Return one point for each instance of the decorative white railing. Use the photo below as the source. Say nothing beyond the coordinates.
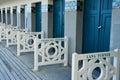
(26, 41)
(2, 25)
(50, 51)
(11, 36)
(86, 66)
(3, 32)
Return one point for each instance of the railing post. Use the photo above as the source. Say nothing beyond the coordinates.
(116, 64)
(7, 40)
(18, 44)
(0, 33)
(42, 35)
(66, 51)
(35, 55)
(74, 66)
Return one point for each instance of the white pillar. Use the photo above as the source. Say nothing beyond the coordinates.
(2, 15)
(28, 17)
(18, 17)
(70, 21)
(44, 17)
(11, 12)
(6, 16)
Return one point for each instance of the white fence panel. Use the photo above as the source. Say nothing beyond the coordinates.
(11, 36)
(85, 65)
(2, 24)
(3, 32)
(26, 41)
(50, 51)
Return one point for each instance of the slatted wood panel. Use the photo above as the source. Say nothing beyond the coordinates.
(11, 68)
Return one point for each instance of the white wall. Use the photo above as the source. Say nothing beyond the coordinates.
(115, 30)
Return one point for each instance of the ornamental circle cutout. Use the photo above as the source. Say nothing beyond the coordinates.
(92, 68)
(30, 42)
(49, 48)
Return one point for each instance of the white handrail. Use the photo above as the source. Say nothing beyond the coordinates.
(51, 50)
(26, 41)
(83, 66)
(11, 36)
(3, 31)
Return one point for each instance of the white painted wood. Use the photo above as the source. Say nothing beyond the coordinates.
(25, 41)
(51, 51)
(11, 36)
(11, 13)
(18, 17)
(6, 16)
(1, 15)
(28, 17)
(2, 32)
(94, 60)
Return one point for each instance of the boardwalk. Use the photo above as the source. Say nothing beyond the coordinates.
(11, 68)
(20, 68)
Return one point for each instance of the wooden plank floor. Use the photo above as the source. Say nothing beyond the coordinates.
(50, 72)
(11, 68)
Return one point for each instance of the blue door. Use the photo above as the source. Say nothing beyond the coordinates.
(97, 24)
(0, 16)
(58, 18)
(105, 23)
(4, 17)
(38, 17)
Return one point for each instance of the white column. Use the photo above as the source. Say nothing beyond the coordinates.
(6, 16)
(28, 17)
(11, 12)
(18, 17)
(44, 17)
(70, 21)
(2, 15)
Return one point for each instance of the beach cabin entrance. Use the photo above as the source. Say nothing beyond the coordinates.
(36, 17)
(58, 18)
(96, 26)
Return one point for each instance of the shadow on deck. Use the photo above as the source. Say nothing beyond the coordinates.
(26, 61)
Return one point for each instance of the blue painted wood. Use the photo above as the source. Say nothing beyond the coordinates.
(58, 18)
(0, 16)
(4, 17)
(105, 22)
(96, 13)
(91, 22)
(38, 17)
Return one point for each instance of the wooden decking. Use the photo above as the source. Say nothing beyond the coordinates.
(20, 68)
(11, 68)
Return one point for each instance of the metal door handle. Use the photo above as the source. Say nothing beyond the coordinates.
(99, 27)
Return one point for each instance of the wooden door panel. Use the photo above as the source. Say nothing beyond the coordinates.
(58, 18)
(38, 17)
(90, 26)
(105, 22)
(96, 13)
(90, 33)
